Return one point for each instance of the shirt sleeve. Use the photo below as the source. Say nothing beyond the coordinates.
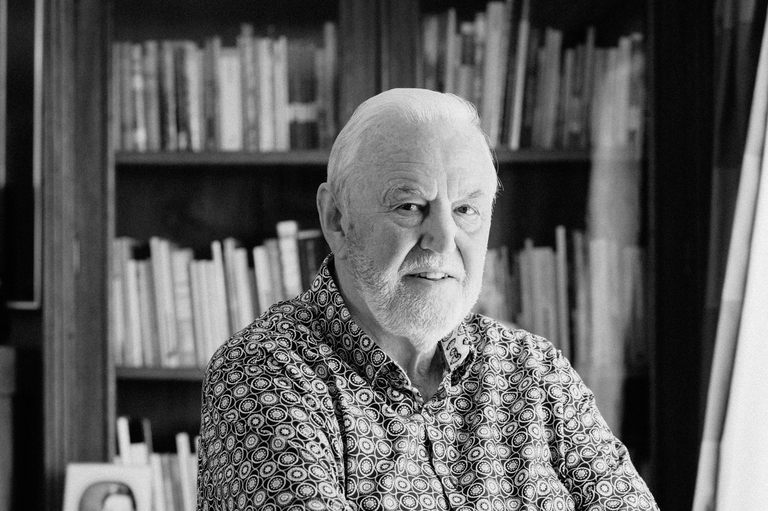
(266, 439)
(592, 463)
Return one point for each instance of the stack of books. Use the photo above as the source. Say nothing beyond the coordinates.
(264, 94)
(530, 91)
(174, 475)
(170, 309)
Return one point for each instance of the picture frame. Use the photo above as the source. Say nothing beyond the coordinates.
(107, 487)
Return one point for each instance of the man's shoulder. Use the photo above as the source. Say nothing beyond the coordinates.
(280, 331)
(508, 341)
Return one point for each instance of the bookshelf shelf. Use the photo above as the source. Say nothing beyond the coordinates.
(159, 373)
(183, 159)
(315, 158)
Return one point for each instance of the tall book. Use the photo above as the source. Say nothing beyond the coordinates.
(495, 70)
(221, 295)
(520, 63)
(201, 312)
(168, 105)
(264, 55)
(249, 86)
(290, 265)
(562, 279)
(180, 58)
(134, 356)
(137, 86)
(148, 314)
(328, 85)
(211, 104)
(162, 275)
(281, 101)
(186, 475)
(152, 94)
(262, 268)
(182, 294)
(230, 100)
(194, 72)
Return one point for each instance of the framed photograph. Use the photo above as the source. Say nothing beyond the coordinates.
(107, 487)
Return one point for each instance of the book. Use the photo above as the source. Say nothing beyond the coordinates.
(182, 299)
(520, 74)
(134, 440)
(168, 106)
(494, 71)
(152, 94)
(312, 251)
(186, 476)
(328, 85)
(265, 71)
(220, 295)
(290, 265)
(181, 89)
(194, 76)
(230, 100)
(249, 87)
(201, 312)
(211, 114)
(563, 299)
(262, 269)
(162, 276)
(280, 68)
(159, 490)
(148, 314)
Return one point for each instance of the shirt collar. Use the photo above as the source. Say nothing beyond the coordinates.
(357, 348)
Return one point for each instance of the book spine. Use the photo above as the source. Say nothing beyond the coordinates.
(230, 100)
(287, 232)
(193, 72)
(152, 95)
(280, 69)
(249, 79)
(264, 55)
(168, 103)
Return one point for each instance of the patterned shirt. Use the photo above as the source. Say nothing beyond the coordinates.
(303, 410)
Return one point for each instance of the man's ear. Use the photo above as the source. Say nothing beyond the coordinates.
(330, 214)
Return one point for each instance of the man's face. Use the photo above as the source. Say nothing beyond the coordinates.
(418, 223)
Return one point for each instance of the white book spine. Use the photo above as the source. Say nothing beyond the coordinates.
(230, 100)
(290, 266)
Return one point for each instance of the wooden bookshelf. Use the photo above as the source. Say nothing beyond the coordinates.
(262, 160)
(193, 374)
(542, 189)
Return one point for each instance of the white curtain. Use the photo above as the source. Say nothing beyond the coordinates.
(733, 461)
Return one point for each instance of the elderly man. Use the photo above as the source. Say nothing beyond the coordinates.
(376, 388)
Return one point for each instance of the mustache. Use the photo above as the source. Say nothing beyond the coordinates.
(435, 262)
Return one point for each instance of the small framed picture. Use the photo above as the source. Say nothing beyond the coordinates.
(107, 487)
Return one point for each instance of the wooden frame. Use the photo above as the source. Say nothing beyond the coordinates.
(34, 299)
(90, 486)
(77, 193)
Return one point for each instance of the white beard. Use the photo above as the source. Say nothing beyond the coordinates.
(422, 318)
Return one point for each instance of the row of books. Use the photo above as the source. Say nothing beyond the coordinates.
(266, 93)
(171, 309)
(587, 296)
(173, 475)
(531, 91)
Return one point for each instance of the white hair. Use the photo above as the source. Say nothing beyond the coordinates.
(411, 106)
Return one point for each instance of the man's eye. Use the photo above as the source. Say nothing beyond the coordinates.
(410, 207)
(466, 210)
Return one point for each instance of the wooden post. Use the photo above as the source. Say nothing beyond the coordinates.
(77, 228)
(7, 389)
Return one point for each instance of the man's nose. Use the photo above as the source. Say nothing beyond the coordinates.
(439, 231)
